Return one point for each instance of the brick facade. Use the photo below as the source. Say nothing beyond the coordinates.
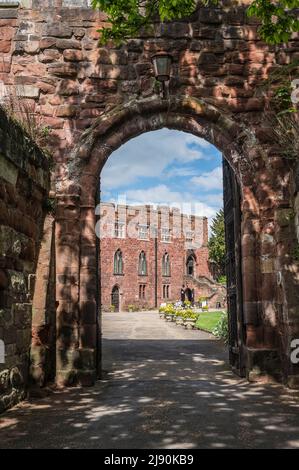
(94, 99)
(148, 291)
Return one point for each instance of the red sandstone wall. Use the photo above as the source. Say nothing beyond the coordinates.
(54, 55)
(24, 186)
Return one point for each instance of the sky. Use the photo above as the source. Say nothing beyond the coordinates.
(165, 167)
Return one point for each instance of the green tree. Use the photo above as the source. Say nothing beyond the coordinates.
(279, 19)
(217, 248)
(128, 17)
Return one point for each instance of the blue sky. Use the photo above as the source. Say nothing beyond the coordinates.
(165, 167)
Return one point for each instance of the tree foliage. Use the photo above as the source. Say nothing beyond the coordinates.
(217, 248)
(128, 17)
(279, 19)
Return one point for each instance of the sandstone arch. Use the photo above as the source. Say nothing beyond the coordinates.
(105, 136)
(74, 86)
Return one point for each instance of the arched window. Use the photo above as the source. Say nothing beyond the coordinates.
(166, 265)
(190, 265)
(142, 266)
(118, 262)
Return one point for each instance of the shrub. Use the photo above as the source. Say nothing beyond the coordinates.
(168, 309)
(222, 280)
(221, 329)
(132, 308)
(189, 314)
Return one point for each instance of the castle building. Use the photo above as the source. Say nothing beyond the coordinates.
(150, 256)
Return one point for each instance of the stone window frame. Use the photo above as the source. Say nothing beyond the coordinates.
(143, 232)
(166, 265)
(142, 264)
(118, 264)
(120, 230)
(166, 291)
(189, 236)
(166, 235)
(142, 291)
(189, 258)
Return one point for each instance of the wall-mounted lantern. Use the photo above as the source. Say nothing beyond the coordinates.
(162, 62)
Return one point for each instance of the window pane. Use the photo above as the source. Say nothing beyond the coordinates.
(143, 232)
(120, 230)
(165, 235)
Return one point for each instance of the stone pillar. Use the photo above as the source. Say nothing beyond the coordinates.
(67, 287)
(88, 321)
(77, 284)
(258, 255)
(42, 362)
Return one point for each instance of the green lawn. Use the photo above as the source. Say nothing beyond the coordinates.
(208, 320)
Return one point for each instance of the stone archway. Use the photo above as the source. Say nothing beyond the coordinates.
(219, 65)
(105, 136)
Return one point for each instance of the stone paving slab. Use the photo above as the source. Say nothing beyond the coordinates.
(165, 387)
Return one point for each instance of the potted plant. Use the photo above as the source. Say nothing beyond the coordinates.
(169, 313)
(180, 320)
(162, 311)
(203, 303)
(190, 319)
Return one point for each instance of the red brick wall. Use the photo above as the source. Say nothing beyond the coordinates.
(178, 250)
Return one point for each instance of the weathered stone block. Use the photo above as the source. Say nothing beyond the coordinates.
(27, 91)
(59, 30)
(72, 55)
(49, 55)
(68, 44)
(66, 111)
(22, 315)
(63, 69)
(8, 170)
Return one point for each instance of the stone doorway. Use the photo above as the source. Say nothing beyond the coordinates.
(115, 299)
(261, 348)
(189, 294)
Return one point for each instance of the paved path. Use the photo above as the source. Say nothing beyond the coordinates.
(165, 387)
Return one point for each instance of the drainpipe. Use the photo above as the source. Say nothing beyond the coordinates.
(156, 271)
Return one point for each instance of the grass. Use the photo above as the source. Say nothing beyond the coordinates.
(207, 321)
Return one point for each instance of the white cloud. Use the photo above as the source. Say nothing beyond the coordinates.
(213, 199)
(210, 180)
(163, 195)
(180, 172)
(149, 156)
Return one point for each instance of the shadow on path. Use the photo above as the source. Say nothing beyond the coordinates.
(159, 393)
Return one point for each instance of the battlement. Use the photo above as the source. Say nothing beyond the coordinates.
(179, 225)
